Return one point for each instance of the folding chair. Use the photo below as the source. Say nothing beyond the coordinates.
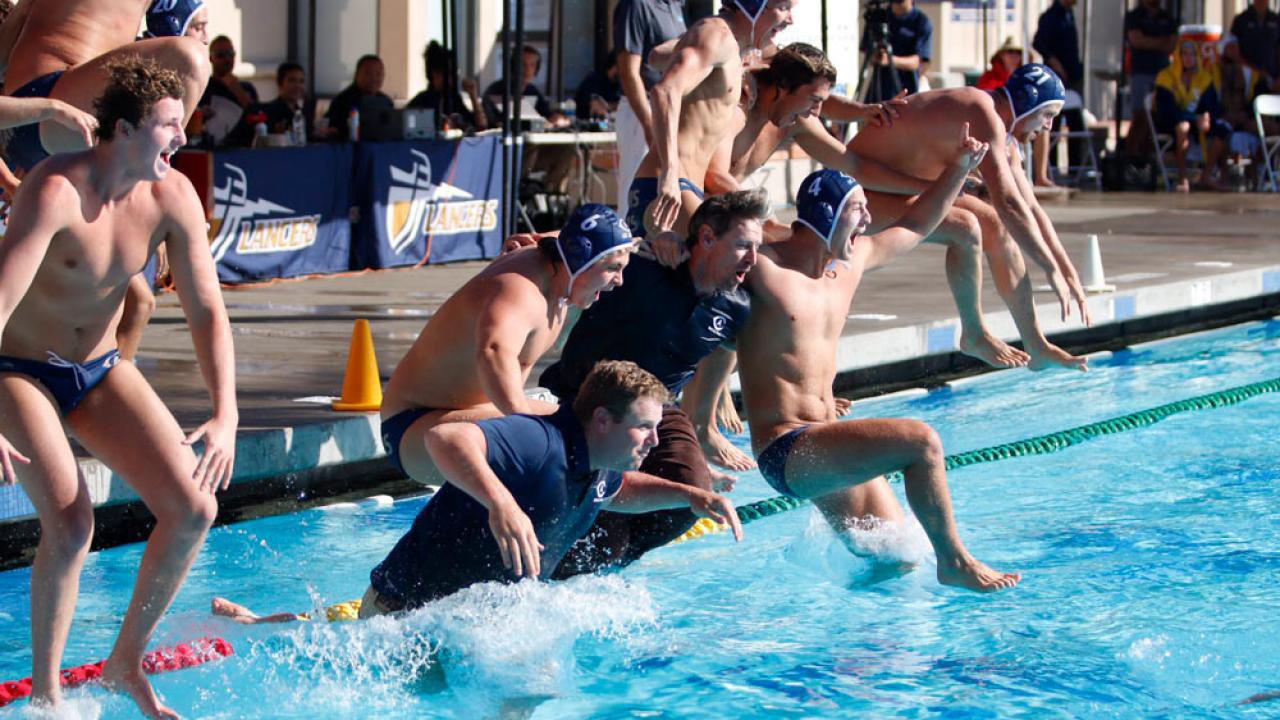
(1268, 106)
(1089, 165)
(1160, 142)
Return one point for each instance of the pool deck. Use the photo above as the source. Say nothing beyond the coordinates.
(1178, 263)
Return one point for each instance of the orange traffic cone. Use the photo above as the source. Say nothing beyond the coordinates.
(361, 388)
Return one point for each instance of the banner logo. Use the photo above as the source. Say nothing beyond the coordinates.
(417, 206)
(254, 226)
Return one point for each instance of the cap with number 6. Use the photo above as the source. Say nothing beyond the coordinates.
(592, 232)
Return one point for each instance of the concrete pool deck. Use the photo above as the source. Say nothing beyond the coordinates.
(1179, 262)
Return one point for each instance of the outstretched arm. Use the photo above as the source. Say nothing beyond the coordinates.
(881, 114)
(1015, 214)
(196, 280)
(459, 451)
(642, 493)
(25, 111)
(1045, 225)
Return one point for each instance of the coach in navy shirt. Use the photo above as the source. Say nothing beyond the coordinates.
(521, 489)
(910, 44)
(1255, 40)
(1058, 42)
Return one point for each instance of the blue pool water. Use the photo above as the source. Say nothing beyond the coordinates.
(1150, 560)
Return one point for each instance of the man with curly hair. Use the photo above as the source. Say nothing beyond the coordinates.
(83, 225)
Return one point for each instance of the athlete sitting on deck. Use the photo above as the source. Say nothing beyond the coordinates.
(520, 490)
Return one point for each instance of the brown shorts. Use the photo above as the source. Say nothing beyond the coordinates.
(619, 539)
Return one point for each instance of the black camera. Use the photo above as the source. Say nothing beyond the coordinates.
(875, 18)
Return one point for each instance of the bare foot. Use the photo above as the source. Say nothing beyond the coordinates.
(1183, 185)
(723, 453)
(843, 406)
(993, 351)
(970, 574)
(132, 681)
(1054, 356)
(727, 414)
(721, 482)
(243, 615)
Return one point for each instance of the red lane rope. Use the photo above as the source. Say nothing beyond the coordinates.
(157, 661)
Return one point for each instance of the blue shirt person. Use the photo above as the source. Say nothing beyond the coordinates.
(910, 48)
(521, 489)
(1058, 42)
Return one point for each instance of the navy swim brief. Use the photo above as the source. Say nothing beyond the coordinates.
(773, 461)
(67, 382)
(393, 430)
(643, 191)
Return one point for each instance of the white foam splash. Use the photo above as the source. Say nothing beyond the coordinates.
(517, 638)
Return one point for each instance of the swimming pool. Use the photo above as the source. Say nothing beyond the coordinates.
(1150, 564)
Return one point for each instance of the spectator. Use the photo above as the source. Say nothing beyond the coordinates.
(910, 43)
(1059, 44)
(226, 97)
(1151, 33)
(1255, 40)
(1240, 85)
(526, 64)
(291, 113)
(183, 18)
(364, 93)
(599, 92)
(560, 163)
(442, 93)
(1005, 60)
(638, 27)
(1186, 93)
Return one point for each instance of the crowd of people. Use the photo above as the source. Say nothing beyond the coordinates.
(659, 300)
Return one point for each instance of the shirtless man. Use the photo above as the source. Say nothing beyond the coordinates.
(60, 49)
(471, 360)
(695, 107)
(919, 145)
(83, 224)
(801, 290)
(769, 126)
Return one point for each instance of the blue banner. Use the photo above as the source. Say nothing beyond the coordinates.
(281, 212)
(427, 201)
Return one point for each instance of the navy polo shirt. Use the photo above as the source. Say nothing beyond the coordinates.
(1160, 25)
(543, 461)
(657, 320)
(1056, 37)
(1258, 39)
(911, 34)
(641, 25)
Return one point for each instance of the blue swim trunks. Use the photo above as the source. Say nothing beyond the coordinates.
(393, 430)
(67, 382)
(25, 149)
(773, 461)
(643, 191)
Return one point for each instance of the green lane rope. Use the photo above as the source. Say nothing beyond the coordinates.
(1041, 445)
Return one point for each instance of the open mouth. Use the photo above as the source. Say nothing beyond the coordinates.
(166, 157)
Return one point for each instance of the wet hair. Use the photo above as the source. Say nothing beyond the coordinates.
(550, 250)
(221, 39)
(614, 385)
(720, 212)
(285, 68)
(134, 86)
(796, 65)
